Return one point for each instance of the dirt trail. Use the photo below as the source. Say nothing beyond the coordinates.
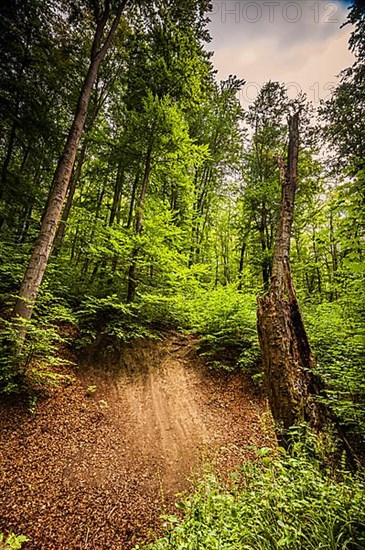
(97, 464)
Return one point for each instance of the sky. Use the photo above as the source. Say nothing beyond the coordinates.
(296, 42)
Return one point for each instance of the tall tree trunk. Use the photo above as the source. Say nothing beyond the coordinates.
(118, 189)
(241, 264)
(24, 226)
(76, 174)
(199, 210)
(15, 115)
(88, 261)
(38, 262)
(8, 156)
(61, 230)
(287, 356)
(132, 282)
(133, 199)
(115, 209)
(265, 247)
(334, 256)
(316, 258)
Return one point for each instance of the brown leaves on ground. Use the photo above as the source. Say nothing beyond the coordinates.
(100, 460)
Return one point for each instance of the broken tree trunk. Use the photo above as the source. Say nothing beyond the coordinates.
(287, 357)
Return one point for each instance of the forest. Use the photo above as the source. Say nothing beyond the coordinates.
(182, 300)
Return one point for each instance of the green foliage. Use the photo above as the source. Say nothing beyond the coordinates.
(337, 335)
(11, 269)
(12, 541)
(210, 209)
(9, 378)
(111, 317)
(224, 319)
(226, 322)
(40, 351)
(288, 501)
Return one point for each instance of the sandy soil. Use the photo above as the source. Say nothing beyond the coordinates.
(100, 460)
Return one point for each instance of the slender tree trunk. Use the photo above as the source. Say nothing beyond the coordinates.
(334, 256)
(76, 174)
(38, 262)
(14, 126)
(133, 200)
(61, 230)
(193, 222)
(9, 153)
(197, 232)
(24, 226)
(87, 263)
(266, 264)
(74, 242)
(287, 356)
(241, 264)
(242, 254)
(13, 129)
(115, 209)
(118, 189)
(216, 280)
(316, 257)
(132, 281)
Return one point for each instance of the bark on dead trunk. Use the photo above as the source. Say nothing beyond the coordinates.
(287, 357)
(38, 262)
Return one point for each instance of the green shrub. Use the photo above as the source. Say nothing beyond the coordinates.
(12, 541)
(112, 317)
(289, 502)
(40, 348)
(9, 377)
(338, 341)
(224, 319)
(226, 322)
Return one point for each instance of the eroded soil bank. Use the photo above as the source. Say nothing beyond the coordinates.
(97, 463)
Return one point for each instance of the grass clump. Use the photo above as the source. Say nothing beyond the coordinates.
(288, 502)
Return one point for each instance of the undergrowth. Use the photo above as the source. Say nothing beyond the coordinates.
(224, 320)
(337, 335)
(39, 354)
(287, 500)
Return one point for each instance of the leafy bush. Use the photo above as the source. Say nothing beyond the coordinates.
(289, 502)
(338, 340)
(40, 348)
(111, 317)
(39, 352)
(12, 541)
(9, 379)
(226, 322)
(224, 319)
(12, 259)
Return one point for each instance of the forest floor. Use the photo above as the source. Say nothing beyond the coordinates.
(107, 452)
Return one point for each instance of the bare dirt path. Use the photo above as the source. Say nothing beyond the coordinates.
(98, 463)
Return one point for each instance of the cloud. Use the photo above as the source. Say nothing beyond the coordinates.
(299, 42)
